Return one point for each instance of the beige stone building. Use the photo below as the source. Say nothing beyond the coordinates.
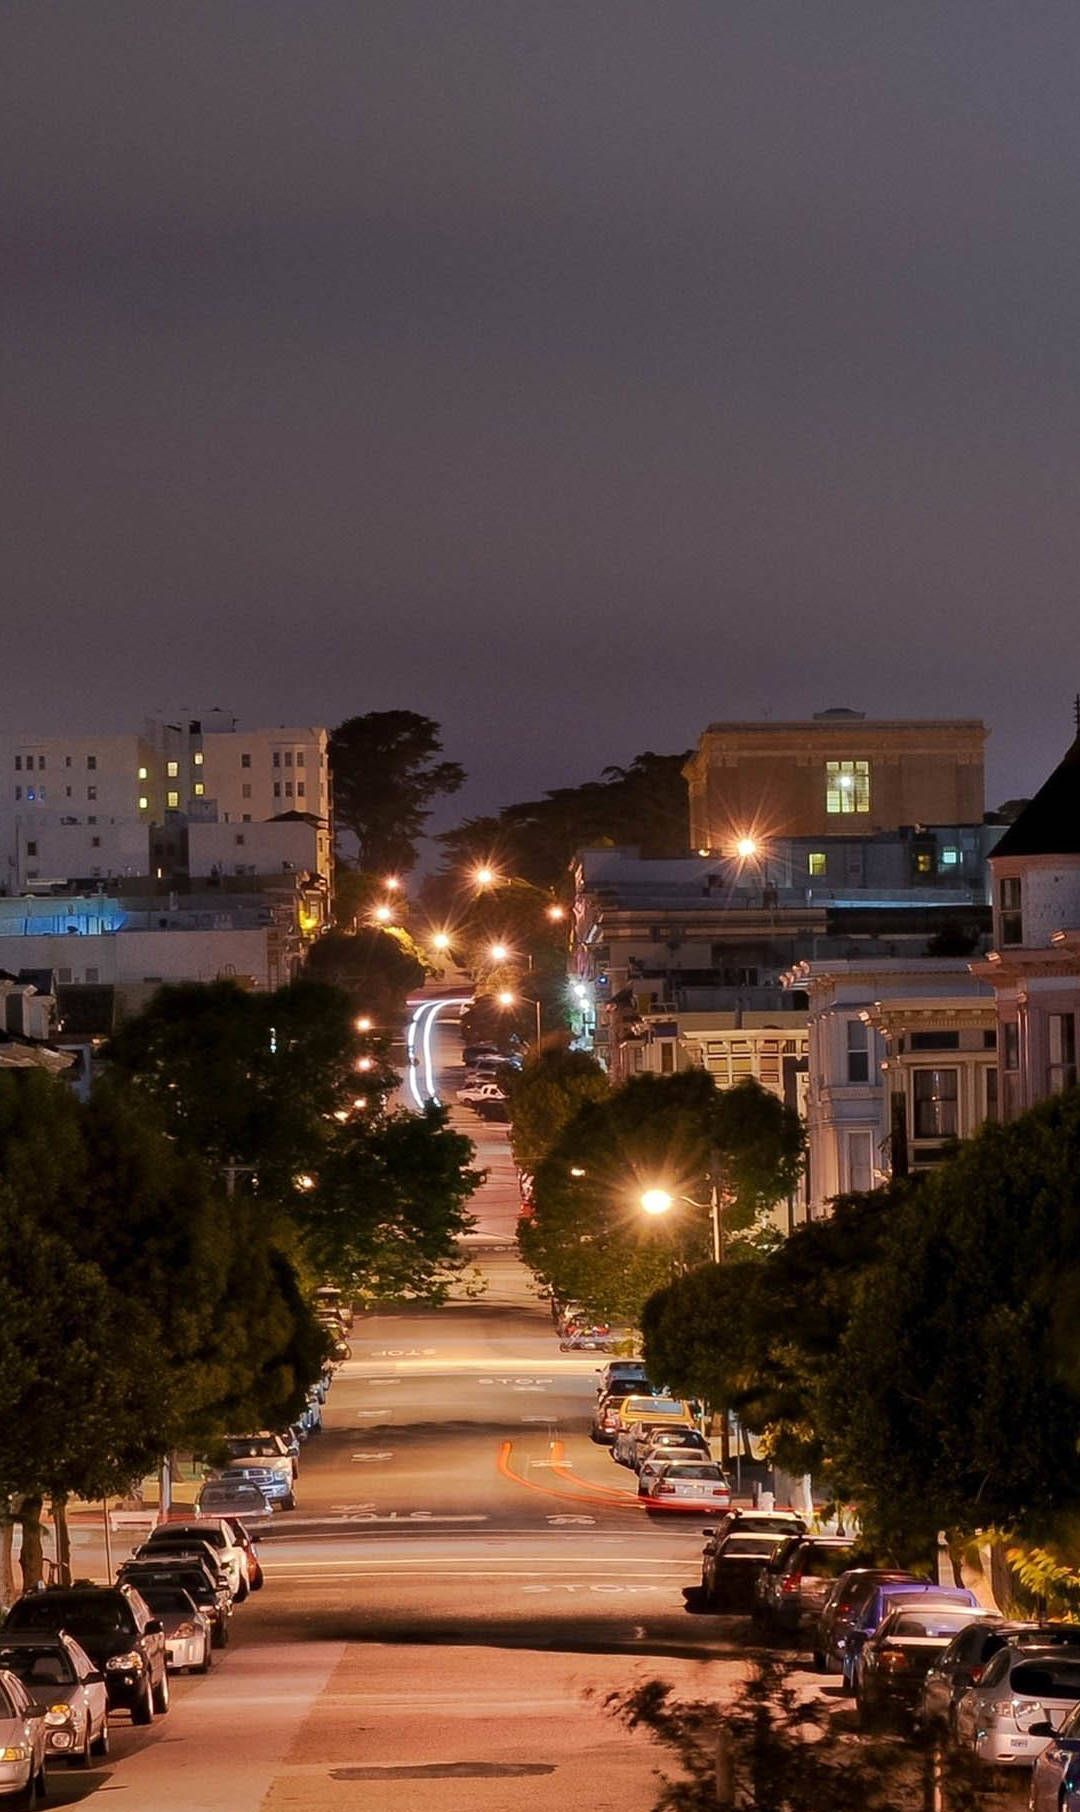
(839, 772)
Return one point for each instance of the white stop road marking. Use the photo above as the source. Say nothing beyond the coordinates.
(358, 1457)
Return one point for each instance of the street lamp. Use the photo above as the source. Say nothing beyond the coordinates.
(747, 848)
(382, 914)
(440, 940)
(499, 953)
(661, 1201)
(506, 998)
(391, 883)
(555, 913)
(363, 1024)
(484, 875)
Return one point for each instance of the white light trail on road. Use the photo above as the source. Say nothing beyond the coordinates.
(424, 1016)
(460, 1000)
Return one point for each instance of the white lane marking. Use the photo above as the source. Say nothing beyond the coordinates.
(418, 1516)
(646, 1585)
(383, 1411)
(526, 1383)
(617, 1590)
(403, 1352)
(563, 1522)
(349, 1510)
(371, 1457)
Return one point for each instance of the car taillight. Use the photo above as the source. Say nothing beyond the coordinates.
(893, 1660)
(790, 1582)
(721, 1491)
(663, 1489)
(843, 1607)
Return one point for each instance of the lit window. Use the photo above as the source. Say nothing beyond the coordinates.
(816, 862)
(847, 786)
(950, 858)
(144, 803)
(172, 800)
(197, 758)
(144, 774)
(924, 862)
(172, 769)
(30, 793)
(198, 789)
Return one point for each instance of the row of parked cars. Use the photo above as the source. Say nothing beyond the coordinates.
(913, 1653)
(486, 1068)
(73, 1656)
(656, 1436)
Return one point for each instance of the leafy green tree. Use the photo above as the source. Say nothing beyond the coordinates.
(386, 778)
(375, 968)
(389, 1209)
(589, 1237)
(545, 1095)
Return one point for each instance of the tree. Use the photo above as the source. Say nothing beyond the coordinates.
(385, 779)
(588, 1236)
(377, 969)
(552, 1086)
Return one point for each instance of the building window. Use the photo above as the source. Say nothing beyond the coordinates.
(172, 770)
(935, 1098)
(288, 789)
(934, 1041)
(858, 1051)
(18, 764)
(1061, 1032)
(197, 758)
(860, 1153)
(240, 839)
(816, 862)
(144, 803)
(245, 818)
(91, 792)
(91, 762)
(30, 793)
(299, 758)
(667, 1058)
(299, 789)
(276, 759)
(95, 843)
(847, 786)
(924, 862)
(288, 758)
(67, 792)
(172, 800)
(91, 817)
(91, 974)
(67, 761)
(990, 1093)
(31, 849)
(18, 792)
(245, 761)
(277, 789)
(1011, 910)
(950, 858)
(144, 774)
(1010, 1045)
(198, 789)
(245, 790)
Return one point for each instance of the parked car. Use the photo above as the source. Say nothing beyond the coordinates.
(758, 1522)
(623, 1371)
(272, 1449)
(250, 1548)
(217, 1535)
(729, 1569)
(67, 1688)
(22, 1744)
(476, 1091)
(1009, 1716)
(190, 1576)
(795, 1584)
(596, 1337)
(641, 1417)
(118, 1631)
(605, 1415)
(189, 1631)
(685, 1486)
(673, 1444)
(274, 1485)
(1055, 1778)
(229, 1496)
(895, 1661)
(965, 1660)
(842, 1602)
(884, 1596)
(186, 1548)
(472, 1052)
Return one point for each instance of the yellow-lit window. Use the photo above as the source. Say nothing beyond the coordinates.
(847, 786)
(144, 802)
(924, 862)
(172, 800)
(197, 758)
(143, 774)
(172, 769)
(198, 789)
(816, 862)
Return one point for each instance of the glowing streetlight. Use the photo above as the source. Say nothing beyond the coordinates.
(576, 1170)
(359, 1102)
(505, 998)
(484, 875)
(555, 913)
(365, 1063)
(657, 1201)
(392, 883)
(499, 952)
(746, 848)
(304, 1181)
(383, 914)
(440, 940)
(363, 1024)
(660, 1201)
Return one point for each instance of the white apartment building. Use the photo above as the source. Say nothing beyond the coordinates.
(76, 810)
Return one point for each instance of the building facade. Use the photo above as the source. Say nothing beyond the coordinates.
(838, 772)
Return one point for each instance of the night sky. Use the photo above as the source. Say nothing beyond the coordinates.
(575, 373)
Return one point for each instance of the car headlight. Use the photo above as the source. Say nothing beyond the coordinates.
(125, 1663)
(58, 1714)
(18, 1752)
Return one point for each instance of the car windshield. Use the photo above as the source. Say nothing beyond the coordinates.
(7, 1709)
(749, 1544)
(268, 1449)
(1046, 1679)
(195, 1584)
(47, 1665)
(930, 1623)
(94, 1615)
(167, 1600)
(191, 1533)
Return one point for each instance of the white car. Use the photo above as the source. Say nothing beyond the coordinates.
(475, 1092)
(216, 1531)
(1055, 1779)
(656, 1458)
(1008, 1718)
(694, 1486)
(22, 1742)
(66, 1687)
(189, 1635)
(270, 1449)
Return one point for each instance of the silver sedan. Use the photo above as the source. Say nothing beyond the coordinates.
(22, 1742)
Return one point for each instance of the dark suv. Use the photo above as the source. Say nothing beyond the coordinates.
(119, 1632)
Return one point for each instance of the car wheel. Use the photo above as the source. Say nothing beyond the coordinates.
(100, 1744)
(207, 1661)
(161, 1692)
(220, 1637)
(241, 1590)
(143, 1712)
(289, 1502)
(81, 1757)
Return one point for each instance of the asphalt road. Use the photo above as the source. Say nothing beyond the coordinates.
(465, 1578)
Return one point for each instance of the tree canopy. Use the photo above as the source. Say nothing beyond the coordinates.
(386, 778)
(545, 1095)
(588, 1236)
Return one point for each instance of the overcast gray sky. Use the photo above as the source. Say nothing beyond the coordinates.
(575, 373)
